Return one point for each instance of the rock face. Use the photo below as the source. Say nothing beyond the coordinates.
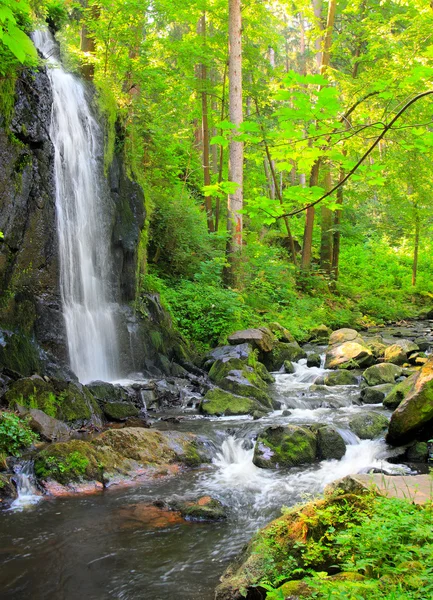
(382, 373)
(415, 413)
(347, 350)
(368, 426)
(284, 447)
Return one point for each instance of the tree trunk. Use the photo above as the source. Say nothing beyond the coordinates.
(236, 149)
(307, 244)
(205, 130)
(221, 155)
(416, 246)
(326, 233)
(337, 234)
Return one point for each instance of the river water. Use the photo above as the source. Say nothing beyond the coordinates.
(117, 545)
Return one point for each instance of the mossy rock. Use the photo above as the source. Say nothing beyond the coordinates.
(8, 490)
(330, 444)
(377, 346)
(248, 384)
(295, 589)
(320, 334)
(415, 413)
(395, 354)
(19, 353)
(288, 367)
(218, 402)
(119, 411)
(222, 367)
(340, 378)
(261, 338)
(314, 360)
(348, 355)
(71, 461)
(382, 373)
(368, 426)
(263, 373)
(281, 333)
(418, 452)
(284, 447)
(283, 351)
(62, 400)
(399, 392)
(202, 509)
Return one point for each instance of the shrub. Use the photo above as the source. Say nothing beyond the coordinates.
(15, 434)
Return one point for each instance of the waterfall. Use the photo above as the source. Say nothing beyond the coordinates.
(84, 243)
(25, 481)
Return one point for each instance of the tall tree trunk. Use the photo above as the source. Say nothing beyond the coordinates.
(326, 233)
(236, 149)
(323, 60)
(205, 130)
(337, 233)
(87, 44)
(416, 246)
(221, 154)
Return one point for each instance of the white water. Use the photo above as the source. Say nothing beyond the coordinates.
(28, 494)
(85, 269)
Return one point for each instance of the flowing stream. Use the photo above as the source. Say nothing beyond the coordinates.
(85, 266)
(117, 545)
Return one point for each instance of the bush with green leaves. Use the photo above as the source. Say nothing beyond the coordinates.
(15, 434)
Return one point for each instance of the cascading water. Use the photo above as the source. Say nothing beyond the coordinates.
(25, 481)
(82, 229)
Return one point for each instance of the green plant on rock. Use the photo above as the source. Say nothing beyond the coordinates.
(15, 434)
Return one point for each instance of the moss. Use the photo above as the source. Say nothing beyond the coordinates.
(7, 98)
(221, 368)
(284, 447)
(340, 378)
(283, 351)
(18, 353)
(219, 402)
(118, 411)
(69, 461)
(241, 385)
(205, 509)
(295, 589)
(192, 457)
(368, 426)
(399, 393)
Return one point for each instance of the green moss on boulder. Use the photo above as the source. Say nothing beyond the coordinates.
(119, 411)
(382, 373)
(219, 402)
(330, 444)
(399, 392)
(340, 378)
(368, 426)
(284, 447)
(281, 352)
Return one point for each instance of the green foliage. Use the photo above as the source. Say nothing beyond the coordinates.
(15, 46)
(71, 467)
(15, 434)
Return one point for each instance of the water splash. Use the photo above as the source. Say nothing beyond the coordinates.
(25, 480)
(85, 265)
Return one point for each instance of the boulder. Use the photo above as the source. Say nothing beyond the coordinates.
(241, 352)
(281, 333)
(120, 411)
(343, 335)
(373, 395)
(368, 426)
(218, 402)
(50, 429)
(319, 335)
(244, 383)
(281, 352)
(415, 412)
(340, 378)
(418, 452)
(349, 355)
(377, 346)
(314, 360)
(382, 373)
(330, 444)
(288, 367)
(399, 392)
(423, 343)
(395, 354)
(8, 490)
(287, 446)
(66, 401)
(204, 508)
(261, 338)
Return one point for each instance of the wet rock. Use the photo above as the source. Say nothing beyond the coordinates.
(205, 508)
(66, 401)
(240, 351)
(400, 352)
(119, 411)
(399, 392)
(50, 429)
(288, 367)
(372, 395)
(219, 402)
(330, 444)
(282, 352)
(108, 392)
(415, 412)
(320, 334)
(382, 373)
(368, 426)
(377, 346)
(340, 378)
(281, 333)
(8, 490)
(261, 338)
(287, 446)
(314, 360)
(347, 350)
(418, 452)
(423, 343)
(242, 383)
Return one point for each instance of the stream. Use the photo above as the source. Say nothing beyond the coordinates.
(114, 545)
